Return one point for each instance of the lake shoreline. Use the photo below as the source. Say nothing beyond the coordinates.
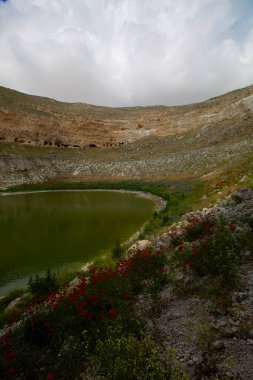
(159, 202)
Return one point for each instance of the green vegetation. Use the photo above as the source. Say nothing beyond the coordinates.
(94, 327)
(123, 356)
(117, 251)
(40, 286)
(209, 246)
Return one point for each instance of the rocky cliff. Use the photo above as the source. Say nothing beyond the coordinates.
(32, 120)
(141, 143)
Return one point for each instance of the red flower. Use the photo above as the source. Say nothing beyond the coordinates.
(196, 252)
(112, 313)
(91, 297)
(10, 355)
(125, 294)
(11, 371)
(160, 270)
(84, 312)
(189, 262)
(50, 376)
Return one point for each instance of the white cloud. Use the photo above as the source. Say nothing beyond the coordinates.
(125, 52)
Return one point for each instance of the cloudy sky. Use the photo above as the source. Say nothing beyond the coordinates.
(126, 52)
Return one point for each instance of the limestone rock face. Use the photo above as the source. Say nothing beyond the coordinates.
(45, 140)
(33, 120)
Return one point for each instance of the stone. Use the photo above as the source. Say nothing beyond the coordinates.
(222, 323)
(13, 303)
(251, 333)
(218, 345)
(234, 329)
(230, 332)
(235, 323)
(214, 326)
(197, 359)
(230, 374)
(140, 244)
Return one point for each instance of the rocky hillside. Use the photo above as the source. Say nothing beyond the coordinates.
(40, 121)
(140, 143)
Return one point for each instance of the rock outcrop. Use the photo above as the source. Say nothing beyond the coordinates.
(238, 208)
(33, 120)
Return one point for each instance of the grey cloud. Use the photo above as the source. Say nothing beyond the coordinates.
(125, 52)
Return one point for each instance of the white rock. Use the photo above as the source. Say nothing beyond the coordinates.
(140, 244)
(13, 303)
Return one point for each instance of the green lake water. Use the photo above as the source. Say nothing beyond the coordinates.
(61, 230)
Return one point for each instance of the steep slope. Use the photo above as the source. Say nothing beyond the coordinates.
(196, 140)
(45, 122)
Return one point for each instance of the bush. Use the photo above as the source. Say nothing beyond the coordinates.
(125, 356)
(117, 250)
(40, 286)
(209, 246)
(101, 298)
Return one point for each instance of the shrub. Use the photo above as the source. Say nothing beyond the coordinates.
(117, 250)
(102, 297)
(40, 286)
(125, 356)
(209, 246)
